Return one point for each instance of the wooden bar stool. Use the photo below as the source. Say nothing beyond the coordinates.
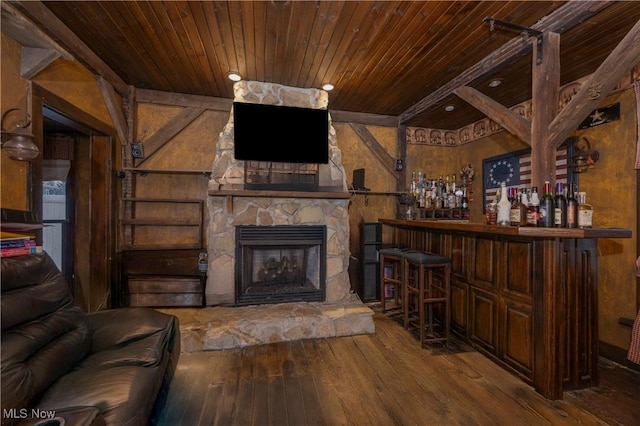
(391, 277)
(391, 272)
(426, 297)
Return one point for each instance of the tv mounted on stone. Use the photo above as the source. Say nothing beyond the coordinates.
(276, 133)
(282, 146)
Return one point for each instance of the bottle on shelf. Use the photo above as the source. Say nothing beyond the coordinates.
(465, 199)
(546, 207)
(572, 207)
(585, 211)
(533, 208)
(504, 206)
(518, 214)
(560, 207)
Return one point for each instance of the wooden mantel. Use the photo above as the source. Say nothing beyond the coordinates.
(230, 194)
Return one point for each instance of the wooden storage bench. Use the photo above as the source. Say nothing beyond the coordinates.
(162, 278)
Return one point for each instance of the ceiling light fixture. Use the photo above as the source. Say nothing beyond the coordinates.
(234, 76)
(495, 83)
(449, 108)
(328, 87)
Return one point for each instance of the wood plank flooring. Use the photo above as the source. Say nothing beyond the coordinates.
(379, 379)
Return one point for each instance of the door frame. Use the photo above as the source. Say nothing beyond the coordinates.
(102, 244)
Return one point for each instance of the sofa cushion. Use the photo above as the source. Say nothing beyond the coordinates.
(44, 334)
(119, 327)
(148, 351)
(124, 395)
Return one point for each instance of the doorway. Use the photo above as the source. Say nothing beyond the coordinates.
(72, 190)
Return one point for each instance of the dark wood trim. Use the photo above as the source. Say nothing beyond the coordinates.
(65, 108)
(363, 118)
(616, 354)
(147, 96)
(511, 230)
(401, 154)
(280, 194)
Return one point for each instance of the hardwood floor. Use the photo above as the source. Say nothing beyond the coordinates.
(379, 379)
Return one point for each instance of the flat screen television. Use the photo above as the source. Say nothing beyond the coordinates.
(279, 133)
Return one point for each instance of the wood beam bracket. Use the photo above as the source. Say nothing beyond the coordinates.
(525, 31)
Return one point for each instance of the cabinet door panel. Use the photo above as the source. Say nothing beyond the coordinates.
(518, 347)
(484, 269)
(519, 270)
(459, 307)
(458, 264)
(484, 312)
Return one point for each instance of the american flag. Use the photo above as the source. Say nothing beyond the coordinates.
(524, 181)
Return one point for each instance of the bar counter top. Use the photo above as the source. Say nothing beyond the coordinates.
(525, 231)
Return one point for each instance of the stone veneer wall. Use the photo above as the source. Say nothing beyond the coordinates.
(228, 174)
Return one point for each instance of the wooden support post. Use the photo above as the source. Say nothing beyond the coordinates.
(544, 105)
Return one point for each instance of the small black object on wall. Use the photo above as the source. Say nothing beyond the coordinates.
(136, 150)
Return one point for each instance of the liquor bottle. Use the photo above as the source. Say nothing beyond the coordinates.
(465, 199)
(533, 208)
(518, 216)
(585, 211)
(572, 207)
(546, 207)
(504, 206)
(560, 207)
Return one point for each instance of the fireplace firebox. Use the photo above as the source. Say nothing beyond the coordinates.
(280, 264)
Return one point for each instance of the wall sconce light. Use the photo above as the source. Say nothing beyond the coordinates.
(584, 158)
(19, 142)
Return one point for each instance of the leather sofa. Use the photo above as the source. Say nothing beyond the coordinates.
(111, 367)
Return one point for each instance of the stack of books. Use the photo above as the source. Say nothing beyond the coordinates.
(18, 233)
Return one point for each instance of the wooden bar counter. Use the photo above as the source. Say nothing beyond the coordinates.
(526, 297)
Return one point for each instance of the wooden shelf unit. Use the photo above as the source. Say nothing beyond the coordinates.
(195, 221)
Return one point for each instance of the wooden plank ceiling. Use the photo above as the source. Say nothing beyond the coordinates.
(384, 57)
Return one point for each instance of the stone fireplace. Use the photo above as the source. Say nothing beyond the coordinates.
(230, 205)
(280, 264)
(319, 302)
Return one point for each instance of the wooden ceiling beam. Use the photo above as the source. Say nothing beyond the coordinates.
(44, 18)
(511, 121)
(115, 109)
(623, 58)
(563, 19)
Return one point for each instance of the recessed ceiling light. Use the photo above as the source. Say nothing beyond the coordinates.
(449, 108)
(328, 87)
(495, 83)
(234, 76)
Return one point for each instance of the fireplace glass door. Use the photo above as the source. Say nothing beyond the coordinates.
(278, 264)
